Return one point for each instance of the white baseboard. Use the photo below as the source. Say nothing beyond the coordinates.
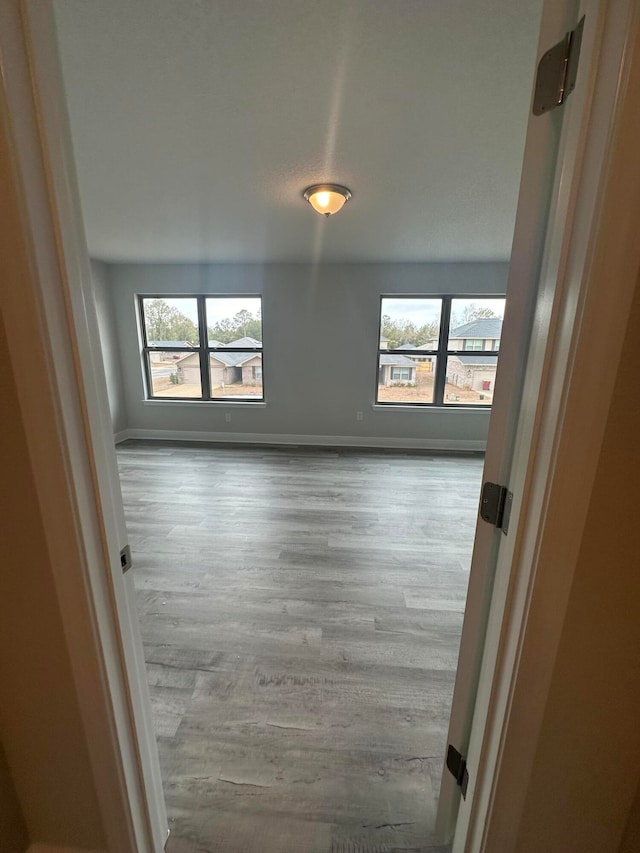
(123, 435)
(314, 440)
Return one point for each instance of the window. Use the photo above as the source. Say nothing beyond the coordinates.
(400, 373)
(202, 347)
(436, 351)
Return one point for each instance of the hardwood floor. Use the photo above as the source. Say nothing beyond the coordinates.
(301, 613)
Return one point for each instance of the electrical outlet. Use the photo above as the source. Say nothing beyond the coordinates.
(227, 417)
(358, 416)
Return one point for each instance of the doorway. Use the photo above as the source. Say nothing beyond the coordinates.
(52, 325)
(453, 398)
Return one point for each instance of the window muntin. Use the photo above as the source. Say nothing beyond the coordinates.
(438, 351)
(181, 366)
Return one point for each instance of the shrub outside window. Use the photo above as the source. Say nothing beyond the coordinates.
(438, 350)
(202, 347)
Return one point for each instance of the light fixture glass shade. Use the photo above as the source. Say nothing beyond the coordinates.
(327, 198)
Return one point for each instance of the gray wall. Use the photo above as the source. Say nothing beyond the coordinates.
(109, 344)
(320, 343)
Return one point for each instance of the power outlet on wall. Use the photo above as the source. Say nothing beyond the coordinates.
(358, 416)
(227, 417)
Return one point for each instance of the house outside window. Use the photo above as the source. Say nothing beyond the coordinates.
(202, 347)
(438, 350)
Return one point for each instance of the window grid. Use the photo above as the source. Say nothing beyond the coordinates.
(203, 351)
(440, 354)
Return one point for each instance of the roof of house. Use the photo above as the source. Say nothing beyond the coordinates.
(243, 342)
(477, 359)
(432, 343)
(406, 346)
(397, 360)
(382, 338)
(171, 344)
(231, 359)
(486, 327)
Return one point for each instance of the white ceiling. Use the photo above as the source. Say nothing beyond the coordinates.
(197, 124)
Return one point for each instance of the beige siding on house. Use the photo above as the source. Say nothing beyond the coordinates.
(469, 375)
(216, 372)
(483, 374)
(385, 374)
(189, 375)
(459, 343)
(188, 369)
(248, 371)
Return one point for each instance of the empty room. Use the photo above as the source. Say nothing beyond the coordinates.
(318, 440)
(300, 218)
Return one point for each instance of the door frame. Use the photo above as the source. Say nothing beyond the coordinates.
(53, 341)
(44, 310)
(538, 194)
(590, 268)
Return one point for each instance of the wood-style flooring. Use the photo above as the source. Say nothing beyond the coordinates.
(301, 613)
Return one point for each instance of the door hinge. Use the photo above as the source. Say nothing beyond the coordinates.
(125, 559)
(495, 506)
(492, 504)
(557, 72)
(457, 766)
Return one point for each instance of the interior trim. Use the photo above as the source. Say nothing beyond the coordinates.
(314, 440)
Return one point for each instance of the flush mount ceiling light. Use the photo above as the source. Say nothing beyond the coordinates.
(327, 198)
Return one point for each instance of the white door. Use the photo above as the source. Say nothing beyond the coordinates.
(551, 168)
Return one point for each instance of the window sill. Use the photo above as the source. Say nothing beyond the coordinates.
(440, 409)
(213, 403)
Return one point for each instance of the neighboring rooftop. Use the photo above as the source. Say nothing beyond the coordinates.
(487, 327)
(397, 360)
(232, 359)
(251, 343)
